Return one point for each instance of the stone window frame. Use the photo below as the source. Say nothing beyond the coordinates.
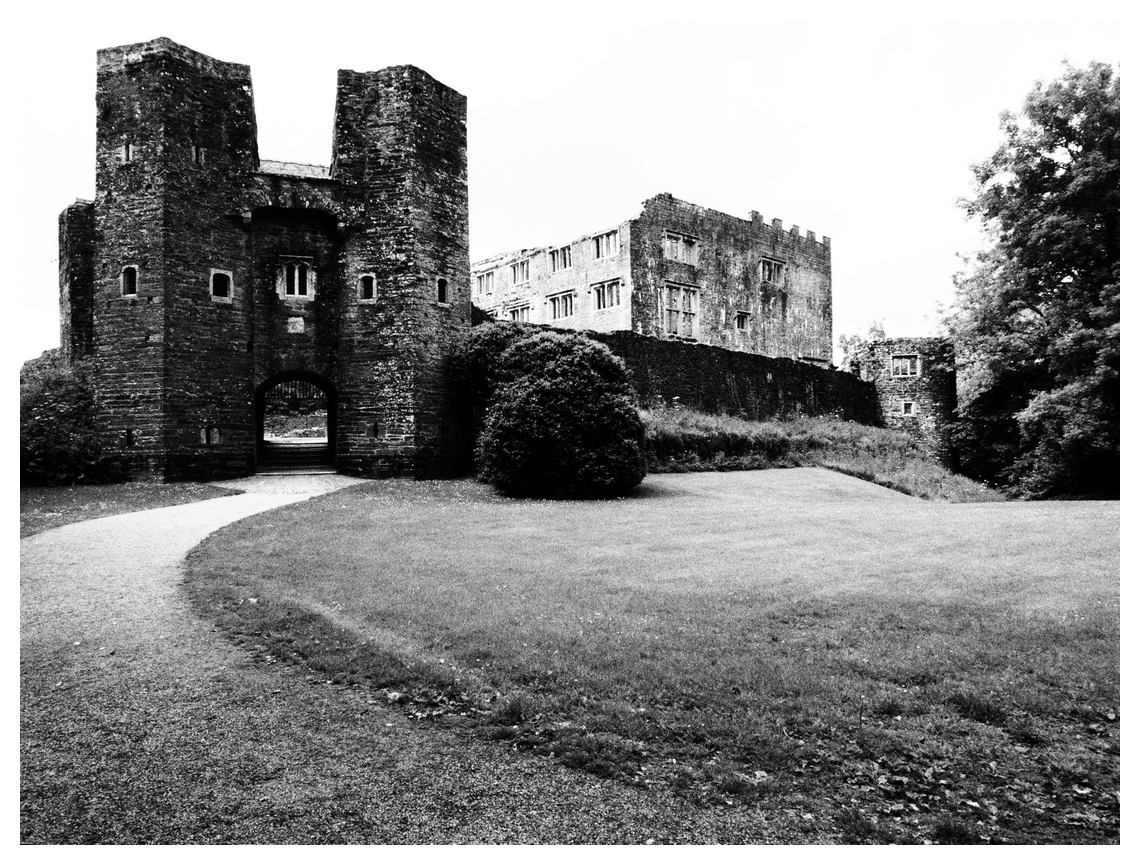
(606, 294)
(681, 247)
(602, 247)
(217, 298)
(520, 268)
(917, 365)
(360, 277)
(128, 152)
(284, 262)
(903, 403)
(743, 315)
(209, 436)
(485, 282)
(773, 271)
(443, 295)
(561, 305)
(122, 282)
(686, 305)
(521, 312)
(561, 258)
(198, 155)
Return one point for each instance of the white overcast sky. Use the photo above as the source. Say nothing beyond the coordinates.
(858, 124)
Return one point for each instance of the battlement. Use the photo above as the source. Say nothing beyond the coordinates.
(754, 219)
(119, 58)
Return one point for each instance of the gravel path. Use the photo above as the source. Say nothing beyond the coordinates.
(140, 723)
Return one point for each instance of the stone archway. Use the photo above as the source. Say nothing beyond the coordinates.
(296, 421)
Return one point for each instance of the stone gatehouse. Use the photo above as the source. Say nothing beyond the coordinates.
(201, 275)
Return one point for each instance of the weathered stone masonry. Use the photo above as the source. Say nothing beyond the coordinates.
(916, 384)
(201, 230)
(679, 272)
(721, 381)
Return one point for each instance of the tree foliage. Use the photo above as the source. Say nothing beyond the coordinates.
(1037, 317)
(58, 441)
(851, 346)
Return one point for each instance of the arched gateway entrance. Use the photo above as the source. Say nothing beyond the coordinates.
(296, 422)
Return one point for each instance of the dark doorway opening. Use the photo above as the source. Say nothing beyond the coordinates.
(296, 422)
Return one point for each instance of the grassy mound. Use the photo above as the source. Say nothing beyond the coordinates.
(684, 440)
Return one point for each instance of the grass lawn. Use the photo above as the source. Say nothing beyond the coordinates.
(43, 508)
(902, 670)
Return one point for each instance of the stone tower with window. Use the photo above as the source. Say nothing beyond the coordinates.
(201, 274)
(917, 388)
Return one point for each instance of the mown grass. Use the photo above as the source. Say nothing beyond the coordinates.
(903, 671)
(682, 440)
(43, 508)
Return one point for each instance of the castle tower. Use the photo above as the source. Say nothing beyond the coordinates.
(917, 387)
(202, 278)
(175, 144)
(399, 156)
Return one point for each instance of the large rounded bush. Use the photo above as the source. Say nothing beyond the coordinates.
(562, 421)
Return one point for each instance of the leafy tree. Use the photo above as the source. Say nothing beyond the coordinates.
(58, 441)
(1037, 317)
(852, 345)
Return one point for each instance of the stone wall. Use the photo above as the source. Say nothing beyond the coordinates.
(76, 279)
(722, 381)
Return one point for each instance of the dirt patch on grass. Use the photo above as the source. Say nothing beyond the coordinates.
(43, 508)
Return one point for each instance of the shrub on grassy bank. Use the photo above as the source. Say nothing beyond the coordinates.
(680, 440)
(58, 441)
(562, 421)
(553, 414)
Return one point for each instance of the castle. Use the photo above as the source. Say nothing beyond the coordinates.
(202, 278)
(676, 271)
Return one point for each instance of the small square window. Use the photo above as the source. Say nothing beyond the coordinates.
(680, 247)
(485, 283)
(367, 286)
(606, 245)
(129, 281)
(221, 286)
(772, 271)
(908, 408)
(560, 259)
(742, 319)
(904, 365)
(562, 305)
(607, 294)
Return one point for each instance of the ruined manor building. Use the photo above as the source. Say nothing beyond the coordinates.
(677, 271)
(202, 275)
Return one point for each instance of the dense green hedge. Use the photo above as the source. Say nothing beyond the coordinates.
(58, 442)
